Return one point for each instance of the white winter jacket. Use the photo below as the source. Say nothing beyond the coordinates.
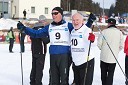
(114, 38)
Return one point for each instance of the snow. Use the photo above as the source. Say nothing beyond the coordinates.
(10, 63)
(105, 24)
(10, 67)
(7, 23)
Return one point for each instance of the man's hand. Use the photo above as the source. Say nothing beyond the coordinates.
(20, 26)
(91, 37)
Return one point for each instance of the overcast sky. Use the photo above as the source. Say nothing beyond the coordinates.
(107, 3)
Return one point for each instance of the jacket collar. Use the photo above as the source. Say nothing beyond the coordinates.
(59, 23)
(112, 26)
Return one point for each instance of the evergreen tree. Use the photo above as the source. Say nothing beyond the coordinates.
(81, 5)
(121, 6)
(111, 10)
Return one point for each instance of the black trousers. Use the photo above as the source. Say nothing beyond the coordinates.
(11, 42)
(126, 67)
(69, 62)
(59, 69)
(21, 38)
(107, 72)
(79, 73)
(37, 69)
(22, 46)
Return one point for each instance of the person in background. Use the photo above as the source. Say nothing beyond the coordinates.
(24, 13)
(39, 49)
(1, 15)
(81, 37)
(11, 39)
(114, 37)
(59, 34)
(21, 39)
(126, 58)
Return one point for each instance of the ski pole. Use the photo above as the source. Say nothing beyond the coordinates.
(21, 68)
(111, 51)
(86, 69)
(21, 56)
(21, 60)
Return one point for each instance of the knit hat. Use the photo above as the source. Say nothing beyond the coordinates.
(59, 9)
(111, 21)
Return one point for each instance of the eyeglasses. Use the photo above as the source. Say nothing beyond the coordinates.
(54, 13)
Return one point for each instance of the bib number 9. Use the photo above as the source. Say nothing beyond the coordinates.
(57, 35)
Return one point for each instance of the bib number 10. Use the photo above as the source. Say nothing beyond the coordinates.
(74, 42)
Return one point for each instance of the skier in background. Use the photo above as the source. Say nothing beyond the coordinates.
(114, 37)
(39, 49)
(11, 39)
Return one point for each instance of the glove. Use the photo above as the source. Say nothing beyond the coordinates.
(91, 18)
(20, 26)
(91, 37)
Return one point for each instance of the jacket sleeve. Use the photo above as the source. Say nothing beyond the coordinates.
(126, 45)
(37, 33)
(100, 41)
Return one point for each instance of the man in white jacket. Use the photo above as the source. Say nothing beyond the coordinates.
(81, 37)
(114, 38)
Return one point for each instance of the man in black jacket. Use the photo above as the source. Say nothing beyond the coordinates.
(39, 48)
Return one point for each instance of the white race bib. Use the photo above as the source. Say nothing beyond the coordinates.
(59, 35)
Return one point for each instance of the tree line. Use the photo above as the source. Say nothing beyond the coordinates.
(81, 5)
(120, 6)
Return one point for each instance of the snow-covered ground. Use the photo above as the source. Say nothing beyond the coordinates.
(10, 67)
(7, 23)
(10, 63)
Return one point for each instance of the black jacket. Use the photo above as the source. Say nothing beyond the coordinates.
(39, 45)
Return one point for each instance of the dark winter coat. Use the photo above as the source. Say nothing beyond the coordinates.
(39, 45)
